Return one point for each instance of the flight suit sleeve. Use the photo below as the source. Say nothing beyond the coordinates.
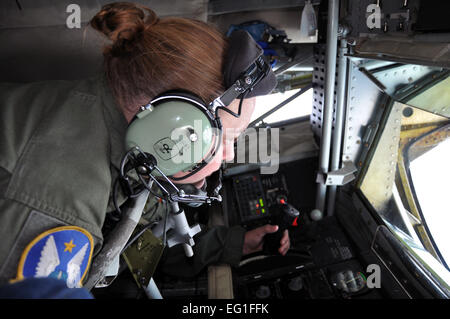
(54, 170)
(19, 117)
(222, 245)
(217, 245)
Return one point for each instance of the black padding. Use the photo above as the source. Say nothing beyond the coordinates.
(243, 52)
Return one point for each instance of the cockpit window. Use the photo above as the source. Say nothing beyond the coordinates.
(406, 172)
(429, 173)
(301, 106)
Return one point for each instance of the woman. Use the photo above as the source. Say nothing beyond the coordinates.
(62, 142)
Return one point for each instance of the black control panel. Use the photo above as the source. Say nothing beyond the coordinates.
(256, 195)
(302, 279)
(250, 197)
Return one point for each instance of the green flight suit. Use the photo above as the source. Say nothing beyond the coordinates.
(61, 143)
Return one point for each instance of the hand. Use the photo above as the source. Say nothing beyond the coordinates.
(254, 239)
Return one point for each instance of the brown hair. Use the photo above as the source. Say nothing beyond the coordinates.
(151, 55)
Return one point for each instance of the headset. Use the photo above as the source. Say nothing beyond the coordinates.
(178, 132)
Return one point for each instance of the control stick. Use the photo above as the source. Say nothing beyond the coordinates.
(285, 216)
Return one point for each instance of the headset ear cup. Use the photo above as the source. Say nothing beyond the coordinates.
(177, 130)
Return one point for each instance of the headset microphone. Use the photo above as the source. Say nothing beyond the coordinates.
(148, 173)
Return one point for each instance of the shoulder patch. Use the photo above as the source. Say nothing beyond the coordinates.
(63, 252)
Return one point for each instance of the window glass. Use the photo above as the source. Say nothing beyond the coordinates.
(301, 106)
(430, 176)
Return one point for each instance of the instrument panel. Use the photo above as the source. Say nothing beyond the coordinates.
(321, 262)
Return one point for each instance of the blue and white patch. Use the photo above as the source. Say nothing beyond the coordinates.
(64, 253)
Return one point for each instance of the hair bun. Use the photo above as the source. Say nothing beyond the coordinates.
(123, 22)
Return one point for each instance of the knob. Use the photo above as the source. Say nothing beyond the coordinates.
(263, 292)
